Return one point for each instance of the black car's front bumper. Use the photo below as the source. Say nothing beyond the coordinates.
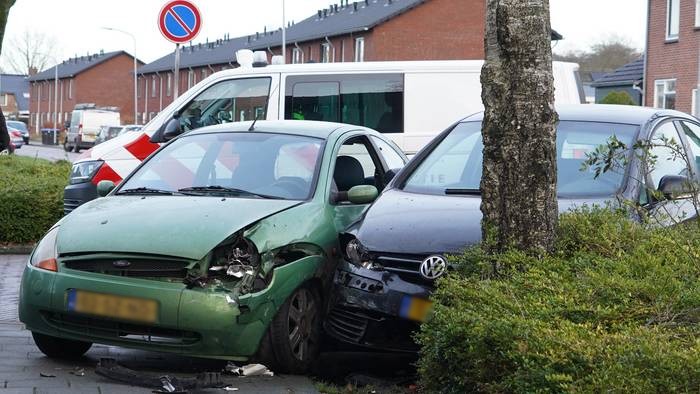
(369, 308)
(77, 195)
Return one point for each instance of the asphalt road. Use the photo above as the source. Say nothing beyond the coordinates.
(22, 364)
(48, 152)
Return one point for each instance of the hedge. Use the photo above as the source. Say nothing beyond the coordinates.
(31, 197)
(614, 309)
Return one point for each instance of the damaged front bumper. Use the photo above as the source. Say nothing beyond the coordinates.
(375, 309)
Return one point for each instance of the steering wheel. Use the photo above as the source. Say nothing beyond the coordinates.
(296, 187)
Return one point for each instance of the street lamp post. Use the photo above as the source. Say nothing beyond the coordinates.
(136, 100)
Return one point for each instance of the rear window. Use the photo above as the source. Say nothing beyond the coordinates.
(456, 163)
(370, 100)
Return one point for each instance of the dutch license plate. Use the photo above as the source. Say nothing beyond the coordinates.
(415, 308)
(116, 307)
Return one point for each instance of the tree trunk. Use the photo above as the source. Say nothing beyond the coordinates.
(518, 185)
(4, 13)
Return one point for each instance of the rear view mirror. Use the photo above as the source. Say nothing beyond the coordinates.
(104, 187)
(362, 194)
(675, 186)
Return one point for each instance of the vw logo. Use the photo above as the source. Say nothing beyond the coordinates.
(433, 267)
(121, 263)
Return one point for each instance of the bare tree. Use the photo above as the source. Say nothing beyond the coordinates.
(30, 49)
(5, 6)
(603, 56)
(518, 184)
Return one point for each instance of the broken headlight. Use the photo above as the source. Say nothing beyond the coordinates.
(235, 260)
(356, 254)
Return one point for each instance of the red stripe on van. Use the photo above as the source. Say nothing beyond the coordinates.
(142, 147)
(106, 173)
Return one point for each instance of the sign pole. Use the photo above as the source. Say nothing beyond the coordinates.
(176, 78)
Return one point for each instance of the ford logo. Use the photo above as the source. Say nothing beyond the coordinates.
(121, 263)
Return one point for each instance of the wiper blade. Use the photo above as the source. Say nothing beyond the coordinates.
(468, 192)
(145, 190)
(228, 190)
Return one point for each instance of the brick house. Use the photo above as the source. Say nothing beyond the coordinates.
(365, 30)
(105, 79)
(14, 96)
(673, 48)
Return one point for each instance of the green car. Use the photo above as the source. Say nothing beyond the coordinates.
(222, 244)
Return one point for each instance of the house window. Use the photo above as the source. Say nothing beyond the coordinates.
(154, 87)
(325, 52)
(190, 79)
(697, 13)
(673, 19)
(665, 93)
(70, 89)
(360, 49)
(205, 74)
(694, 101)
(298, 55)
(169, 85)
(4, 100)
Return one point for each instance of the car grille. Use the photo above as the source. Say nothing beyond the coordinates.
(407, 266)
(347, 324)
(70, 205)
(137, 267)
(108, 329)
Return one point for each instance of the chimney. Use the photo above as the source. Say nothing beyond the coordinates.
(320, 14)
(366, 3)
(325, 13)
(354, 6)
(335, 8)
(32, 71)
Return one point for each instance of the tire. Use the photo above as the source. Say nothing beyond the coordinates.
(76, 148)
(60, 348)
(66, 147)
(295, 332)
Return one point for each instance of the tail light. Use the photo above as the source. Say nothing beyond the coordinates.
(16, 133)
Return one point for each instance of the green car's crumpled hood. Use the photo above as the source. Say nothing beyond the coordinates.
(181, 226)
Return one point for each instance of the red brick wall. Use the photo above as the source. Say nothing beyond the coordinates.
(435, 30)
(677, 59)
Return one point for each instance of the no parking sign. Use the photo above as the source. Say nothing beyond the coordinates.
(179, 21)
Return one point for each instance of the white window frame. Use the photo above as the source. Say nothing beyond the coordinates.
(693, 109)
(697, 13)
(669, 16)
(297, 56)
(190, 79)
(169, 85)
(664, 83)
(70, 89)
(360, 49)
(325, 53)
(154, 86)
(4, 99)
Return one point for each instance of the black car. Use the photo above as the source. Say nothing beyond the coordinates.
(432, 207)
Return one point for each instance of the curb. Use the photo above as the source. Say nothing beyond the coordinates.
(16, 249)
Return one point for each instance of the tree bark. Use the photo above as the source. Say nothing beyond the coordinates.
(518, 185)
(4, 13)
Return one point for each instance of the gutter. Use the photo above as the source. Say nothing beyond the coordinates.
(646, 54)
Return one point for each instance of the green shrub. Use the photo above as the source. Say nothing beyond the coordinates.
(31, 197)
(621, 98)
(614, 309)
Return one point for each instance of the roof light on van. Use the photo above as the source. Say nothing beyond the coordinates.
(259, 59)
(244, 57)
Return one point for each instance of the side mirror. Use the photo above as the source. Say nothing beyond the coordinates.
(168, 130)
(362, 194)
(675, 186)
(104, 187)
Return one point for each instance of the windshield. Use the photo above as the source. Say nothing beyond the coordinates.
(251, 165)
(455, 165)
(17, 125)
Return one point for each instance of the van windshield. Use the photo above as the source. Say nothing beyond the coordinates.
(456, 163)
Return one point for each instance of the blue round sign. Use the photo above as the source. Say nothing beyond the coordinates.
(179, 21)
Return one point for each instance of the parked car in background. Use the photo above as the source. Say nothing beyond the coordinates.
(409, 102)
(85, 124)
(21, 127)
(131, 127)
(241, 241)
(106, 133)
(16, 137)
(394, 254)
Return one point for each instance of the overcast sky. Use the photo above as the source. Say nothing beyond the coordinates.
(76, 25)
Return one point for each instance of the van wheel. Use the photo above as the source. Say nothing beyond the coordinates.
(60, 348)
(76, 148)
(66, 147)
(295, 332)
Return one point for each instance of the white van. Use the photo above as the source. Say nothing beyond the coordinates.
(85, 124)
(409, 101)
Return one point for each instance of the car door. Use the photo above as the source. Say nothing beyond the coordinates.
(671, 155)
(356, 162)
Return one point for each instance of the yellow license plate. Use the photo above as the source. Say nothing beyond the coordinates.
(116, 307)
(415, 308)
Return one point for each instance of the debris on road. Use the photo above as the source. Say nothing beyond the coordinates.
(77, 371)
(46, 375)
(229, 388)
(248, 370)
(109, 368)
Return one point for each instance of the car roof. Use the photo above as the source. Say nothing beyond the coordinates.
(309, 128)
(628, 114)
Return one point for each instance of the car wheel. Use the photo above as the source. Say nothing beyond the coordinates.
(60, 348)
(295, 332)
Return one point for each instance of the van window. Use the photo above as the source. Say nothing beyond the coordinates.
(371, 100)
(228, 101)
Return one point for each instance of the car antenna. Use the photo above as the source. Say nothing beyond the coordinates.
(267, 102)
